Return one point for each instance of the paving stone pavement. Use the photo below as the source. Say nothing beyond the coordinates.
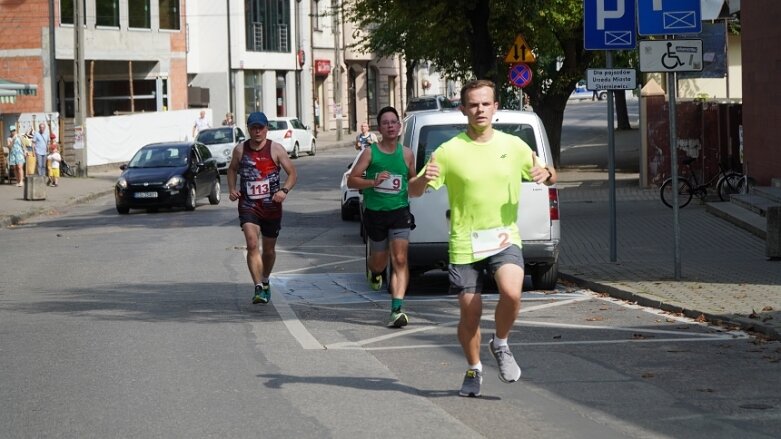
(725, 276)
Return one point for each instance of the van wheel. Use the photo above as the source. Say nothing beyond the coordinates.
(544, 277)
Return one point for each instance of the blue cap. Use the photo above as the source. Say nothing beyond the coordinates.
(12, 128)
(257, 118)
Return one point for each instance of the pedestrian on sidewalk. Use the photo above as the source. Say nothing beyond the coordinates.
(41, 142)
(228, 121)
(365, 138)
(260, 194)
(483, 169)
(200, 123)
(16, 156)
(388, 165)
(54, 162)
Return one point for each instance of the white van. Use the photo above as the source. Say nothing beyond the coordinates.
(538, 210)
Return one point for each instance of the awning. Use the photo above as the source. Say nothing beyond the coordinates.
(9, 90)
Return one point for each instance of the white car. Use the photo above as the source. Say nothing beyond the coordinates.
(538, 213)
(293, 135)
(350, 197)
(582, 93)
(221, 142)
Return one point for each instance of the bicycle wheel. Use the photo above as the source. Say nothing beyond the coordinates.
(66, 170)
(684, 192)
(729, 185)
(745, 184)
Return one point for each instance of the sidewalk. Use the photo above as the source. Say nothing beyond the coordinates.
(725, 276)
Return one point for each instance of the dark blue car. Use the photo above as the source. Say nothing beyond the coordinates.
(168, 175)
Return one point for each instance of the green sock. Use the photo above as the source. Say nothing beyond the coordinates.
(396, 304)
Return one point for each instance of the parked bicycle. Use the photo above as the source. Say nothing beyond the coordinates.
(727, 182)
(66, 169)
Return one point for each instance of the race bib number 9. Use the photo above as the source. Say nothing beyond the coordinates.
(391, 185)
(490, 242)
(259, 189)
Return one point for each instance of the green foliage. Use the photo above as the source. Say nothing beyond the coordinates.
(467, 39)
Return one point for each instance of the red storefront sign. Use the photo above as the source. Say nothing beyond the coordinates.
(322, 67)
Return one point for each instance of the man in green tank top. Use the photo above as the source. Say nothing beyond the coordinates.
(382, 172)
(483, 170)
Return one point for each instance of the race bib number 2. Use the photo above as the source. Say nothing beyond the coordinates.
(259, 189)
(490, 242)
(391, 185)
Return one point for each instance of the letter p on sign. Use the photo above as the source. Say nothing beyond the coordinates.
(602, 14)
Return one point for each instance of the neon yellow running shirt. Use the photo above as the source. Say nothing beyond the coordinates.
(483, 183)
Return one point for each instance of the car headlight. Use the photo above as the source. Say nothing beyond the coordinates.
(122, 183)
(227, 152)
(175, 182)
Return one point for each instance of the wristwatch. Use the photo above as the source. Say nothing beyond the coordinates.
(285, 190)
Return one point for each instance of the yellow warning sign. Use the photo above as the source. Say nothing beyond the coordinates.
(520, 52)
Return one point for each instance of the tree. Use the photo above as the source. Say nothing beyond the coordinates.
(469, 39)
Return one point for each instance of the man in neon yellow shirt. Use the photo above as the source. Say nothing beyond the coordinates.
(483, 170)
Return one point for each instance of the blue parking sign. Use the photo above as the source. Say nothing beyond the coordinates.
(669, 17)
(609, 24)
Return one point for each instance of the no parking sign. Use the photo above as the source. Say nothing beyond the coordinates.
(520, 75)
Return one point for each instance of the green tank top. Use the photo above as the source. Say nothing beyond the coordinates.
(392, 193)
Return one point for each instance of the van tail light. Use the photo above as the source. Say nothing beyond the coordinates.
(288, 134)
(553, 199)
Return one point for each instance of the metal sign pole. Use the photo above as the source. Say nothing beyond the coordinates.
(611, 160)
(672, 86)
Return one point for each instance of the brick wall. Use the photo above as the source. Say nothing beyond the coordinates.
(22, 27)
(177, 84)
(761, 55)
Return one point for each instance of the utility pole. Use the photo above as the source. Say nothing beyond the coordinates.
(79, 86)
(337, 72)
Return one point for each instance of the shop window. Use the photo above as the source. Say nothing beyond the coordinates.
(253, 96)
(371, 90)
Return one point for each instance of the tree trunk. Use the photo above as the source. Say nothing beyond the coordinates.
(622, 114)
(483, 59)
(551, 111)
(410, 74)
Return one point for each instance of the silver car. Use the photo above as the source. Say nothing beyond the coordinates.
(538, 212)
(221, 142)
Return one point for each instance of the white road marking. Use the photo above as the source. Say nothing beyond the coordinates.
(291, 321)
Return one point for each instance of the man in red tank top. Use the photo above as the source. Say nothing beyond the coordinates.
(260, 193)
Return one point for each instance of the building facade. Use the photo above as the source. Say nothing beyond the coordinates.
(135, 56)
(291, 58)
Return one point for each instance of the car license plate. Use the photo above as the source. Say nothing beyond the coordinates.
(146, 194)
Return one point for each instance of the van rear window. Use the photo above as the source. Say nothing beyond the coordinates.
(434, 135)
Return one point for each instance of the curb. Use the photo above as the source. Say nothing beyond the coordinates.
(16, 219)
(744, 323)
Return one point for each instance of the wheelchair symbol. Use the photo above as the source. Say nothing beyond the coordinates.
(671, 60)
